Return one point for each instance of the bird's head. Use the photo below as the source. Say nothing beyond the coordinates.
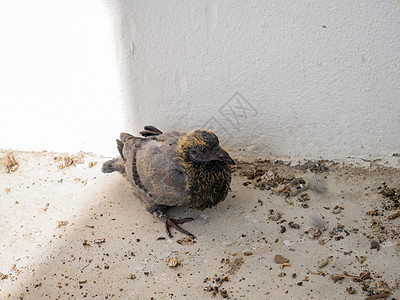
(202, 146)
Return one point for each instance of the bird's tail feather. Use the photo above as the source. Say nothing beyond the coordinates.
(113, 165)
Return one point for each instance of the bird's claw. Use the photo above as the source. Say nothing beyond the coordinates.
(181, 221)
(169, 222)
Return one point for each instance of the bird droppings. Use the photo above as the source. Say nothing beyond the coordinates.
(41, 260)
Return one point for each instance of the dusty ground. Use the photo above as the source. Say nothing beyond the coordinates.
(68, 232)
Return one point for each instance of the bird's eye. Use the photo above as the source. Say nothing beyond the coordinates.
(203, 149)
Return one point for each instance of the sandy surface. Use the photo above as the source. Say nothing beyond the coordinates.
(73, 232)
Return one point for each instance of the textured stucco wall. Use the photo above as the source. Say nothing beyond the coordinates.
(299, 79)
(315, 78)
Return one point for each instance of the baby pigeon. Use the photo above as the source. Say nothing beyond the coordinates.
(174, 169)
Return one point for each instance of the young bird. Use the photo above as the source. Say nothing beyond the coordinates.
(174, 169)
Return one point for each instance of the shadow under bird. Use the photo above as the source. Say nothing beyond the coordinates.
(174, 169)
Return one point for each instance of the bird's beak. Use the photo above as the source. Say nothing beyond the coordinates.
(222, 155)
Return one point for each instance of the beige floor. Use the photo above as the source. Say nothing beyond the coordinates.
(75, 232)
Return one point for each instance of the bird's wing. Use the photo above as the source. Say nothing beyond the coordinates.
(150, 130)
(151, 166)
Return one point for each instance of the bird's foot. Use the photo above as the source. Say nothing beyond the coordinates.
(169, 222)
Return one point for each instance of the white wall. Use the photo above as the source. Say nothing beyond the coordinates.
(316, 78)
(59, 78)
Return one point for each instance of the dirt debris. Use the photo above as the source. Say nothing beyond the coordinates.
(337, 209)
(351, 290)
(69, 160)
(293, 225)
(375, 245)
(279, 259)
(363, 276)
(62, 223)
(266, 180)
(172, 262)
(235, 265)
(214, 286)
(284, 265)
(303, 198)
(99, 241)
(9, 162)
(391, 193)
(394, 216)
(323, 263)
(241, 224)
(361, 259)
(297, 186)
(287, 185)
(92, 164)
(186, 241)
(313, 233)
(378, 296)
(274, 216)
